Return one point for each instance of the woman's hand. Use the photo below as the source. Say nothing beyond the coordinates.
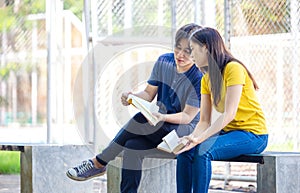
(124, 98)
(192, 142)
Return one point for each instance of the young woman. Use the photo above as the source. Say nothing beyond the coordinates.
(175, 80)
(229, 87)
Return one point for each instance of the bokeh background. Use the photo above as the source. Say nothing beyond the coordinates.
(51, 60)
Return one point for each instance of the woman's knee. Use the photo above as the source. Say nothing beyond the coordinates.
(186, 156)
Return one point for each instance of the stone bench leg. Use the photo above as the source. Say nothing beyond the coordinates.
(43, 169)
(279, 174)
(159, 175)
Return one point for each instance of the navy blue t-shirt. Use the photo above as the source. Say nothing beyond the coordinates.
(175, 90)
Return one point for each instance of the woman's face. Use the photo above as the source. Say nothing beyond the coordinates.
(182, 54)
(199, 54)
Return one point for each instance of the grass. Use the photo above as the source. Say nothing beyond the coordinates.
(9, 162)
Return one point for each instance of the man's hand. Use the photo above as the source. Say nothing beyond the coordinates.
(124, 98)
(160, 117)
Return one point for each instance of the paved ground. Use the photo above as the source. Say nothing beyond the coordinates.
(11, 184)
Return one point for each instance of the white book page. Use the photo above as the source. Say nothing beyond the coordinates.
(164, 147)
(172, 140)
(145, 107)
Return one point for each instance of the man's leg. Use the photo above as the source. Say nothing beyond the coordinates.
(136, 127)
(134, 152)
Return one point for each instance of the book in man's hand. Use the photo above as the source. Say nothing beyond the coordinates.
(171, 143)
(145, 107)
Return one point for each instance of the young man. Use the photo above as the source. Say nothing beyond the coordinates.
(175, 80)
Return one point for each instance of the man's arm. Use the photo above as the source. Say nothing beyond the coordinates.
(147, 94)
(184, 117)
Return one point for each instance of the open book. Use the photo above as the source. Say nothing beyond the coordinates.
(171, 143)
(145, 107)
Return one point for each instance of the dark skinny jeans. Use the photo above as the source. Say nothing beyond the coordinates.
(136, 139)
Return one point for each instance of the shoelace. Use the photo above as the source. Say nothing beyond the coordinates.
(84, 167)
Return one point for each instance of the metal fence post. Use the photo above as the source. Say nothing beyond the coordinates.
(227, 25)
(227, 22)
(50, 14)
(173, 19)
(295, 18)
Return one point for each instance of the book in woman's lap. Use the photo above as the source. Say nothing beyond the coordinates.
(171, 143)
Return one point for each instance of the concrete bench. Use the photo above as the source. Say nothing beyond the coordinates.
(43, 167)
(277, 172)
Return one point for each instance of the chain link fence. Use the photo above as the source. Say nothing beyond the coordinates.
(263, 34)
(21, 42)
(23, 51)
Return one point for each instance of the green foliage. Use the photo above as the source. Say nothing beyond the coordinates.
(5, 70)
(7, 18)
(3, 101)
(32, 7)
(9, 162)
(4, 73)
(10, 18)
(75, 6)
(287, 146)
(266, 17)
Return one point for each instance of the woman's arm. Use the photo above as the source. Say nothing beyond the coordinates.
(205, 115)
(232, 101)
(203, 129)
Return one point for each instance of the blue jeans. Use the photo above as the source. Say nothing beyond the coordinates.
(194, 167)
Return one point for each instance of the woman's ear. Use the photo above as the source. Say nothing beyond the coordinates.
(204, 49)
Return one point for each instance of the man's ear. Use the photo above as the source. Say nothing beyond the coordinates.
(204, 49)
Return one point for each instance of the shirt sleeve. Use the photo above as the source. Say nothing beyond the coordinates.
(194, 96)
(154, 77)
(205, 84)
(235, 74)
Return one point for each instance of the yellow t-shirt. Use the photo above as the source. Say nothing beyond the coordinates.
(249, 115)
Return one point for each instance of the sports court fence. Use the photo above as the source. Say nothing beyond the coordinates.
(263, 34)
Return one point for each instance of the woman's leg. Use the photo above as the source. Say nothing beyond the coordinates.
(184, 171)
(226, 145)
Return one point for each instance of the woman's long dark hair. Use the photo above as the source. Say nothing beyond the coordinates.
(218, 57)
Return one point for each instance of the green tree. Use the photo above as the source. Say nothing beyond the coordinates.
(260, 17)
(7, 18)
(75, 6)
